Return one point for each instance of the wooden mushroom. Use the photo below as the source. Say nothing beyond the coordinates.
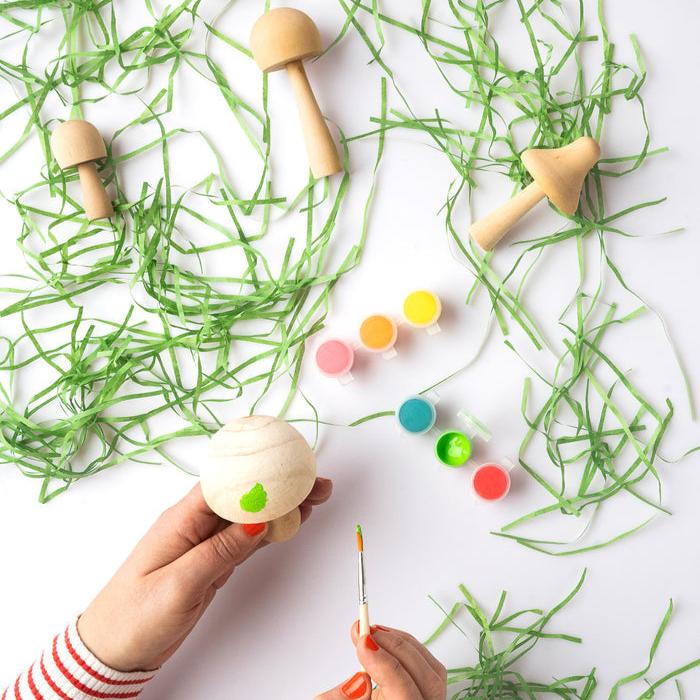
(557, 173)
(284, 38)
(77, 143)
(259, 469)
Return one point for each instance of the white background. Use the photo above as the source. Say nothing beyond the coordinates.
(280, 628)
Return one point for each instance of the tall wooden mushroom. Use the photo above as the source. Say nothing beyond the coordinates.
(259, 469)
(557, 173)
(283, 38)
(77, 143)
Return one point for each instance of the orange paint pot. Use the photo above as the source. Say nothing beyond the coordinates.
(378, 333)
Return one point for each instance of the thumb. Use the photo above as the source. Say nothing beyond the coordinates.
(216, 557)
(357, 687)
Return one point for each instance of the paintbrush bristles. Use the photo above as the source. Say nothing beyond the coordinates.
(360, 541)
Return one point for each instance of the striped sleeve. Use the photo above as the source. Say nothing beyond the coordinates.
(70, 671)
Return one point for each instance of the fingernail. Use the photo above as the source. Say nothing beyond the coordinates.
(355, 687)
(381, 628)
(370, 643)
(356, 628)
(253, 529)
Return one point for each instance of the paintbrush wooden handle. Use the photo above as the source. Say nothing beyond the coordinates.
(364, 620)
(364, 624)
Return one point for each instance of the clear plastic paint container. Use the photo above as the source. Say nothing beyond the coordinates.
(378, 333)
(454, 447)
(335, 358)
(416, 415)
(422, 309)
(491, 481)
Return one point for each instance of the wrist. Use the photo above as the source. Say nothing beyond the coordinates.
(108, 645)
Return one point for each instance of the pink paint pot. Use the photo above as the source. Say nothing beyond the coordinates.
(491, 482)
(335, 359)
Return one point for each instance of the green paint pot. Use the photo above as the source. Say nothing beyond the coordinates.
(453, 448)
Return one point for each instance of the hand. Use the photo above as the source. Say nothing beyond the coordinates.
(399, 664)
(156, 598)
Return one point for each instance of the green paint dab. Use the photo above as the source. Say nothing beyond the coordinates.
(254, 501)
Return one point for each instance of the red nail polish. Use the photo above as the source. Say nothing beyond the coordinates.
(253, 529)
(370, 643)
(381, 628)
(355, 687)
(356, 628)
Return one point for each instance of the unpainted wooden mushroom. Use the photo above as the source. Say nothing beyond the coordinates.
(259, 469)
(557, 173)
(77, 143)
(284, 38)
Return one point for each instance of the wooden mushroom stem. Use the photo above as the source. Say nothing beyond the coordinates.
(95, 198)
(489, 230)
(323, 156)
(285, 527)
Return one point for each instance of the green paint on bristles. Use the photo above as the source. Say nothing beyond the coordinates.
(600, 434)
(506, 638)
(358, 529)
(184, 348)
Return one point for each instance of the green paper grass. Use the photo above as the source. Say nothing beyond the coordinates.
(505, 640)
(598, 431)
(180, 344)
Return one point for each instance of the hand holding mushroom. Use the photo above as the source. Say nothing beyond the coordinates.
(283, 38)
(77, 143)
(259, 469)
(557, 173)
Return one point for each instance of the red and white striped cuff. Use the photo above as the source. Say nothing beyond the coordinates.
(70, 671)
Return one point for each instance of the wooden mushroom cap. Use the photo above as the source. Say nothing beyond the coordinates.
(283, 35)
(75, 142)
(560, 172)
(257, 469)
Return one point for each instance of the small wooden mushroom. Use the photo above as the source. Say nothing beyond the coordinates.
(557, 173)
(283, 38)
(77, 143)
(259, 469)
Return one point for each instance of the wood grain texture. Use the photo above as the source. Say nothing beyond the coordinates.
(557, 173)
(96, 201)
(257, 469)
(284, 37)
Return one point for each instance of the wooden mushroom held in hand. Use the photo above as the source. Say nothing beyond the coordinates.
(284, 38)
(557, 173)
(259, 469)
(77, 143)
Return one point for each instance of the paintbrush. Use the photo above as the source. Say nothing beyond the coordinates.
(361, 584)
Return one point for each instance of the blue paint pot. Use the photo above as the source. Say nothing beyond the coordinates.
(416, 415)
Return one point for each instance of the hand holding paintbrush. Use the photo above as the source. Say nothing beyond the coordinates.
(400, 666)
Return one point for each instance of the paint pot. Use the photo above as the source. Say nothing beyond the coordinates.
(335, 359)
(378, 333)
(416, 415)
(453, 448)
(490, 482)
(422, 309)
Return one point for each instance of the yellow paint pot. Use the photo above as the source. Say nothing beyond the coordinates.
(422, 309)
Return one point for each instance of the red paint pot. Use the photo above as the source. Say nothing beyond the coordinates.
(491, 482)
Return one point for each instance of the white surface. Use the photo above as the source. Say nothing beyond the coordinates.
(280, 629)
